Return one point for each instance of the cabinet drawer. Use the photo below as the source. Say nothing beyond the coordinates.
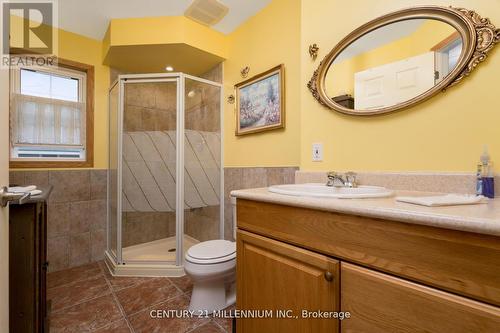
(273, 276)
(461, 262)
(380, 303)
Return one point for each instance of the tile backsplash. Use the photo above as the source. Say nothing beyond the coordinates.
(243, 178)
(463, 183)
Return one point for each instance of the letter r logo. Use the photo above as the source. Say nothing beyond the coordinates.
(28, 27)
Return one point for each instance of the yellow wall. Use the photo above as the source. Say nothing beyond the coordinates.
(445, 133)
(341, 75)
(266, 40)
(86, 50)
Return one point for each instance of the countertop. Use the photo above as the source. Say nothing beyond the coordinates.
(44, 196)
(481, 218)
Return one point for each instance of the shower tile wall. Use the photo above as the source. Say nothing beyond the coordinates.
(143, 227)
(150, 107)
(215, 74)
(76, 214)
(203, 114)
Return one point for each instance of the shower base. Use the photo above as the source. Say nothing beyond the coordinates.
(158, 250)
(149, 259)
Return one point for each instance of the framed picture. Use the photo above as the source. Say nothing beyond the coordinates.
(260, 102)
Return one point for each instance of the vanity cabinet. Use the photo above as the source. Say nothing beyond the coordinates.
(393, 276)
(380, 303)
(284, 280)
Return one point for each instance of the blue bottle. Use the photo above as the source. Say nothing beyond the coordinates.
(487, 177)
(479, 180)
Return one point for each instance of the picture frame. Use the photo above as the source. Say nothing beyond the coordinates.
(260, 102)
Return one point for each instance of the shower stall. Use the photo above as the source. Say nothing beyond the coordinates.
(165, 177)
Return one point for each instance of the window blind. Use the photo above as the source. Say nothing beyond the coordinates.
(46, 122)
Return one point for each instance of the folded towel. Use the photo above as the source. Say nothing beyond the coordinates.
(35, 192)
(22, 189)
(444, 200)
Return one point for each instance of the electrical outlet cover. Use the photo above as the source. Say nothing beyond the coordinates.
(317, 152)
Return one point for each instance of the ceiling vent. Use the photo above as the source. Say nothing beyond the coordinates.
(206, 12)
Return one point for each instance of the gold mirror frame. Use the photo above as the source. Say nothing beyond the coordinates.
(478, 34)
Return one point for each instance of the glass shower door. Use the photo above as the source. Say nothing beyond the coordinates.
(113, 158)
(149, 167)
(203, 191)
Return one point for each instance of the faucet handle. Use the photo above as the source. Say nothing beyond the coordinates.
(351, 178)
(332, 175)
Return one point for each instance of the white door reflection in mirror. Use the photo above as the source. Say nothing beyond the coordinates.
(394, 83)
(393, 64)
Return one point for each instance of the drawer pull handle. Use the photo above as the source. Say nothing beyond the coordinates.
(328, 276)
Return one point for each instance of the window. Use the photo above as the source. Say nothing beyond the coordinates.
(447, 54)
(51, 116)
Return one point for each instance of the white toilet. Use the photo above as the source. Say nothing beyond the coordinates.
(211, 265)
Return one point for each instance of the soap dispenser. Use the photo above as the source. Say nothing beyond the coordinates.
(487, 177)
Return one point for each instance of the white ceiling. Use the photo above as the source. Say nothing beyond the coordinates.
(91, 17)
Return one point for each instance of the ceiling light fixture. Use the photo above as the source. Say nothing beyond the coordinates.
(169, 69)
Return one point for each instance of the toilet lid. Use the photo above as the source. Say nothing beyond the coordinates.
(213, 249)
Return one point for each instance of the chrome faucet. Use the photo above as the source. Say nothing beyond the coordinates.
(346, 180)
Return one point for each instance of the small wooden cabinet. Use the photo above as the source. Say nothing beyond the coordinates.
(28, 266)
(391, 277)
(285, 280)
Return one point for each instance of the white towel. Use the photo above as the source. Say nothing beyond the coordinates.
(444, 200)
(25, 189)
(22, 189)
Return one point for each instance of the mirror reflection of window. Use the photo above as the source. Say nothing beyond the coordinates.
(447, 54)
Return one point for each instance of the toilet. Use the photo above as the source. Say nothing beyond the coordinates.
(211, 265)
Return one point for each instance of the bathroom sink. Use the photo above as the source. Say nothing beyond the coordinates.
(323, 191)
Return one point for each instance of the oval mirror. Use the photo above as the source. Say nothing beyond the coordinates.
(399, 60)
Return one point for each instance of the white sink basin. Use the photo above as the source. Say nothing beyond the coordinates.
(323, 191)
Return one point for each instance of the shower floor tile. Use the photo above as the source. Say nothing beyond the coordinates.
(89, 299)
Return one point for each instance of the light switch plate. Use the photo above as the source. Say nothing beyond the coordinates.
(317, 152)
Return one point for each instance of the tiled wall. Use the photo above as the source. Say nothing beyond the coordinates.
(76, 217)
(242, 178)
(203, 223)
(464, 183)
(143, 227)
(150, 107)
(77, 212)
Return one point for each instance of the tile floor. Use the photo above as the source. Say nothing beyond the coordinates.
(89, 299)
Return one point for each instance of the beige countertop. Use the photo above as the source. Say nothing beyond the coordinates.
(481, 218)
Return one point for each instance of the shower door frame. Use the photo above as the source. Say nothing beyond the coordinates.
(179, 79)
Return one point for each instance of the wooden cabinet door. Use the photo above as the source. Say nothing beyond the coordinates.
(274, 276)
(380, 303)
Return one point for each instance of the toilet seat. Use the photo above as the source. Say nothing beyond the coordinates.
(211, 252)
